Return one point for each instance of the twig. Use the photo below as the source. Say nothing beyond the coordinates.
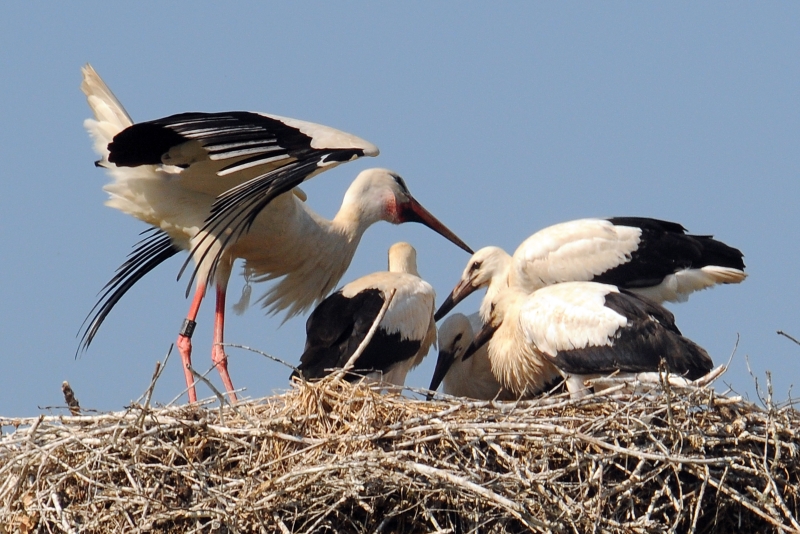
(156, 375)
(699, 502)
(363, 346)
(222, 400)
(711, 376)
(69, 397)
(273, 358)
(784, 334)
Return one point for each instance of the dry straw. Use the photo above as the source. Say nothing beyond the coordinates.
(336, 457)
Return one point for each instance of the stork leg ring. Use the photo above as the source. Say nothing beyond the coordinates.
(185, 348)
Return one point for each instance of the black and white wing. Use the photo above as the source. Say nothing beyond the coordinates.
(255, 157)
(336, 328)
(654, 257)
(589, 328)
(665, 249)
(147, 254)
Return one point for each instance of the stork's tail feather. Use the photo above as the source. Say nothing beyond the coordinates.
(724, 275)
(718, 254)
(717, 263)
(691, 280)
(110, 117)
(149, 253)
(691, 360)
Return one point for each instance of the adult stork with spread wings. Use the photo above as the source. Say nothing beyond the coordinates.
(223, 186)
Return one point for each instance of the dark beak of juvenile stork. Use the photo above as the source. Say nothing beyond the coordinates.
(481, 339)
(412, 211)
(459, 293)
(443, 363)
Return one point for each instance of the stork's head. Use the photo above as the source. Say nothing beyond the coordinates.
(455, 335)
(382, 195)
(488, 265)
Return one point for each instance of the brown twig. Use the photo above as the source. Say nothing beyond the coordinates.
(784, 334)
(69, 397)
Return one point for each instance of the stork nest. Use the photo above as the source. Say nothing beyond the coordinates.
(337, 457)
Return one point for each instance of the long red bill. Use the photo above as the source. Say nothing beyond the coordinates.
(412, 211)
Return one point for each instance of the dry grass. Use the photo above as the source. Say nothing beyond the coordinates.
(335, 457)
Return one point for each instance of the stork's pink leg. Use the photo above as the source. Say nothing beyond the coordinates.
(184, 342)
(218, 355)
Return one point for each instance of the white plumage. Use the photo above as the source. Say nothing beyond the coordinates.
(406, 332)
(582, 330)
(653, 258)
(650, 257)
(223, 186)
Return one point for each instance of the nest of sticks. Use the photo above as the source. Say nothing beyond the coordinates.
(336, 457)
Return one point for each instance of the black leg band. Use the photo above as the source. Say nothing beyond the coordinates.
(187, 329)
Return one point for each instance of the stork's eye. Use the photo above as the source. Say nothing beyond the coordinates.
(401, 183)
(475, 266)
(458, 338)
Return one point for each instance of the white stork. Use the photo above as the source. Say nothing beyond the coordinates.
(223, 186)
(336, 328)
(654, 258)
(472, 378)
(582, 330)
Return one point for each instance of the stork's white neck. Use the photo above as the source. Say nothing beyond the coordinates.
(353, 219)
(403, 259)
(366, 202)
(498, 282)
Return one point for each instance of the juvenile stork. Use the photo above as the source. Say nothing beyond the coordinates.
(223, 186)
(654, 258)
(472, 379)
(582, 330)
(337, 327)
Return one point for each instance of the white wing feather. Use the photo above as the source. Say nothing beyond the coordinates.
(569, 316)
(570, 251)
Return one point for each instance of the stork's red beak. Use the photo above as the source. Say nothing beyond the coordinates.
(481, 338)
(412, 211)
(463, 289)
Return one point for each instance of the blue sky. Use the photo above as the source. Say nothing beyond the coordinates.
(502, 117)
